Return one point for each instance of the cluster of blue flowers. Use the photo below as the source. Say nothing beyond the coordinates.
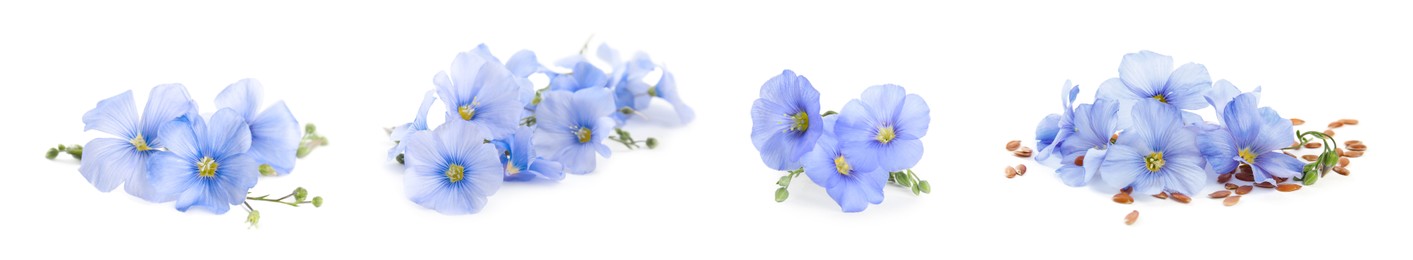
(874, 140)
(171, 153)
(1140, 133)
(499, 127)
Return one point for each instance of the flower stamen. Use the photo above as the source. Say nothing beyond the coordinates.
(206, 167)
(467, 112)
(801, 122)
(1247, 155)
(885, 134)
(455, 173)
(584, 134)
(510, 169)
(140, 143)
(1154, 161)
(1160, 98)
(842, 166)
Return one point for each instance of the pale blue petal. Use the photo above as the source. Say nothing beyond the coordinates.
(1186, 86)
(899, 154)
(913, 117)
(1216, 145)
(1276, 132)
(116, 115)
(227, 134)
(1045, 134)
(547, 169)
(1093, 161)
(1122, 165)
(1279, 165)
(165, 103)
(1145, 73)
(523, 64)
(1114, 89)
(244, 97)
(235, 176)
(109, 162)
(1222, 92)
(667, 89)
(275, 137)
(173, 175)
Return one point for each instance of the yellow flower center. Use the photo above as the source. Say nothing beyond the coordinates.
(584, 134)
(1160, 98)
(652, 91)
(206, 167)
(466, 112)
(140, 143)
(842, 166)
(510, 168)
(455, 173)
(1154, 161)
(1247, 155)
(885, 134)
(801, 122)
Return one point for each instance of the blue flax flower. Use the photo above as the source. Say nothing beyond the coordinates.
(786, 120)
(1094, 126)
(517, 153)
(108, 162)
(274, 133)
(452, 169)
(1255, 136)
(885, 122)
(584, 76)
(666, 89)
(206, 164)
(850, 176)
(572, 127)
(522, 64)
(480, 91)
(1055, 128)
(418, 124)
(1149, 75)
(629, 88)
(1156, 155)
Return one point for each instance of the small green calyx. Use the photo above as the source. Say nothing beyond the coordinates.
(1154, 161)
(455, 173)
(885, 135)
(652, 91)
(206, 167)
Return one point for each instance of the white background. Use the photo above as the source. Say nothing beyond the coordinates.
(989, 73)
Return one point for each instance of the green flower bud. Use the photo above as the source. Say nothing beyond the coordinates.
(399, 158)
(652, 143)
(61, 147)
(267, 170)
(318, 201)
(781, 194)
(253, 218)
(302, 152)
(784, 181)
(309, 128)
(51, 154)
(300, 194)
(925, 187)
